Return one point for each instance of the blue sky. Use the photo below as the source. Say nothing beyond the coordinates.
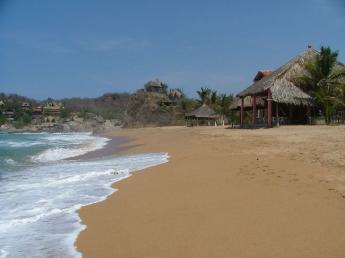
(85, 48)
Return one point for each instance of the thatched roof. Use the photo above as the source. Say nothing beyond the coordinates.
(236, 103)
(202, 112)
(261, 74)
(154, 83)
(280, 81)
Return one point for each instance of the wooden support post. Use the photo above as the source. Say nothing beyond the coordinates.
(277, 114)
(269, 108)
(308, 115)
(241, 112)
(290, 113)
(254, 113)
(232, 118)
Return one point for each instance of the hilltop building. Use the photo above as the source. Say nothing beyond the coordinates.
(52, 108)
(26, 106)
(37, 110)
(155, 86)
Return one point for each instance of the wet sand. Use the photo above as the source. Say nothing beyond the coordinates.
(226, 193)
(115, 146)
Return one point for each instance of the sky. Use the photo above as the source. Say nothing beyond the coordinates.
(84, 48)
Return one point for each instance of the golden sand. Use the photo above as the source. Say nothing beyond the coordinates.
(226, 193)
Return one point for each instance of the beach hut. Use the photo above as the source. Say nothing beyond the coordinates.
(203, 115)
(247, 106)
(278, 95)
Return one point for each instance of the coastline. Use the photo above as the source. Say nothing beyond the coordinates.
(224, 193)
(40, 198)
(115, 145)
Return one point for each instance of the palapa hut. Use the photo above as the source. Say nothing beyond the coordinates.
(277, 94)
(247, 103)
(203, 115)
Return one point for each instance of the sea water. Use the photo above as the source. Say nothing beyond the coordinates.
(40, 191)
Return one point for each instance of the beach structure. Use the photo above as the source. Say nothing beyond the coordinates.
(203, 115)
(172, 97)
(9, 114)
(155, 86)
(261, 74)
(277, 96)
(168, 102)
(37, 110)
(26, 106)
(52, 108)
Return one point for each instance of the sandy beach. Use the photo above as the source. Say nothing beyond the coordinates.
(276, 192)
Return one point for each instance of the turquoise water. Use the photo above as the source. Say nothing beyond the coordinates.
(40, 191)
(26, 149)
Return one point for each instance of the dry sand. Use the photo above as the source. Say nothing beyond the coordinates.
(226, 193)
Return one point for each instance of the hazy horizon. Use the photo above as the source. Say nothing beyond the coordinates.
(84, 48)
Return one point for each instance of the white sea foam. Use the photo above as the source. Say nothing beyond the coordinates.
(38, 205)
(10, 161)
(70, 145)
(3, 254)
(23, 144)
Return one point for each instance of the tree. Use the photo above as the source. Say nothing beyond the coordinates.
(223, 105)
(164, 87)
(324, 80)
(204, 95)
(176, 94)
(213, 99)
(224, 102)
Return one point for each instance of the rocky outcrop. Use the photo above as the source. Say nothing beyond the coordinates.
(149, 109)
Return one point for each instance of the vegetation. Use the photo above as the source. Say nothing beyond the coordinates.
(325, 81)
(154, 106)
(219, 102)
(157, 108)
(207, 96)
(2, 119)
(143, 108)
(109, 106)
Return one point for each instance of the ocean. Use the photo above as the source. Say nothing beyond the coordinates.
(42, 187)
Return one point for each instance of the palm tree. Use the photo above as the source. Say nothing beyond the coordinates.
(324, 80)
(223, 105)
(204, 95)
(213, 98)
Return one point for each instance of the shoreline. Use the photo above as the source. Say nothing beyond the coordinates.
(217, 196)
(115, 145)
(60, 187)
